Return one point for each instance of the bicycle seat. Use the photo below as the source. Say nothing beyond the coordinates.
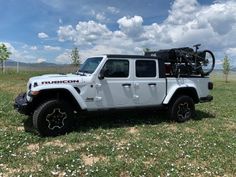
(197, 45)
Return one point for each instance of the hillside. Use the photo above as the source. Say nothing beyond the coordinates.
(44, 66)
(11, 63)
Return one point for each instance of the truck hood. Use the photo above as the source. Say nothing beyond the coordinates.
(49, 79)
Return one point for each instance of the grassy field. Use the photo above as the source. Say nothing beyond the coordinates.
(126, 144)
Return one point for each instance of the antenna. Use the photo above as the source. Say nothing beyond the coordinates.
(17, 66)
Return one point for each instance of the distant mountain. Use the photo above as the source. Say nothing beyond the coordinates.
(44, 66)
(11, 63)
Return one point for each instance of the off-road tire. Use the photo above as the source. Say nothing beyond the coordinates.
(52, 118)
(212, 65)
(182, 108)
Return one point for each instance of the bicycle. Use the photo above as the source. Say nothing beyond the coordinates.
(196, 62)
(186, 61)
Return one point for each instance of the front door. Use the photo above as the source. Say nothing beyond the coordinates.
(116, 88)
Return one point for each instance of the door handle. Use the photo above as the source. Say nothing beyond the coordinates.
(152, 84)
(126, 85)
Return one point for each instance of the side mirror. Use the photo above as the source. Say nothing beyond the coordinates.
(101, 75)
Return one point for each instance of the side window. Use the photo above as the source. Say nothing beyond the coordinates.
(116, 68)
(145, 68)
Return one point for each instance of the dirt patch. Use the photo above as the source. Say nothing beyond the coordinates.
(171, 127)
(230, 126)
(133, 130)
(67, 146)
(58, 173)
(10, 127)
(120, 157)
(126, 159)
(29, 168)
(33, 148)
(58, 143)
(122, 142)
(98, 137)
(149, 162)
(21, 128)
(90, 160)
(3, 166)
(190, 130)
(124, 174)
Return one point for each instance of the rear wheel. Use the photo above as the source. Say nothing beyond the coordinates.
(207, 62)
(182, 109)
(53, 118)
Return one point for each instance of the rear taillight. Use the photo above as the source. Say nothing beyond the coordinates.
(210, 85)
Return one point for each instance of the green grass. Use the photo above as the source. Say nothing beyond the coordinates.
(140, 143)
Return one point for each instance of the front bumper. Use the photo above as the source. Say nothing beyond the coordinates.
(206, 99)
(21, 104)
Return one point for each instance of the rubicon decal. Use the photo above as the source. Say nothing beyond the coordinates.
(60, 82)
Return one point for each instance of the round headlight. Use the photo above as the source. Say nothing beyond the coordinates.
(35, 84)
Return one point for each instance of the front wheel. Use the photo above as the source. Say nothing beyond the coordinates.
(182, 108)
(53, 118)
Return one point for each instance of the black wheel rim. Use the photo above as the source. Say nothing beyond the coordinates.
(184, 111)
(56, 119)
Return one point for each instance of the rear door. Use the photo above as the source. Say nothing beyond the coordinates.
(149, 89)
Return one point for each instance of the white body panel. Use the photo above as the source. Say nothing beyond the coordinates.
(199, 84)
(69, 88)
(126, 92)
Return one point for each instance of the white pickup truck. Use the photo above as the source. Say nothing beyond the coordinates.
(110, 82)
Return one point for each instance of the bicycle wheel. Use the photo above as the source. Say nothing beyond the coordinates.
(207, 62)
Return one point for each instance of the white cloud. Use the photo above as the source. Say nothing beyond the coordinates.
(113, 10)
(41, 60)
(10, 47)
(221, 16)
(182, 11)
(131, 26)
(42, 35)
(188, 23)
(101, 17)
(85, 33)
(231, 52)
(64, 58)
(60, 21)
(51, 48)
(66, 33)
(19, 55)
(99, 50)
(33, 48)
(219, 62)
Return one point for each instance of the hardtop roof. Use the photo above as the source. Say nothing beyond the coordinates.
(130, 56)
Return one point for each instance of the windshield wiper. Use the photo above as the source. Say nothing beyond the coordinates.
(82, 73)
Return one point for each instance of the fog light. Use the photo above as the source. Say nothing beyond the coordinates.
(33, 93)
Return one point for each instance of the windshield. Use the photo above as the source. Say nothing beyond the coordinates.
(90, 65)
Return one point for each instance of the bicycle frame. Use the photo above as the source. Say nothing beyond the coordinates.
(186, 59)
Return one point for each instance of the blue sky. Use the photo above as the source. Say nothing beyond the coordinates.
(47, 30)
